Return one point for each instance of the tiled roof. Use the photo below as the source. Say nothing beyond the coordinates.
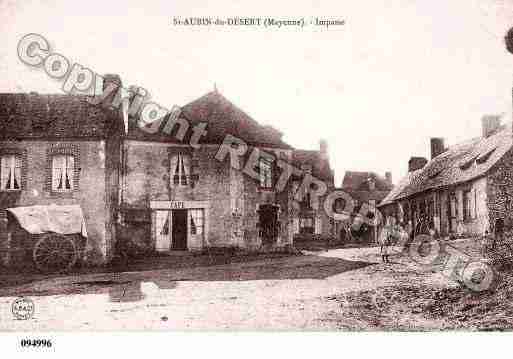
(320, 169)
(40, 116)
(398, 188)
(460, 163)
(222, 118)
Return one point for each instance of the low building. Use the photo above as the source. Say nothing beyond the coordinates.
(367, 188)
(464, 190)
(59, 149)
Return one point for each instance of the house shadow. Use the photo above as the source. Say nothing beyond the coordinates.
(127, 287)
(299, 267)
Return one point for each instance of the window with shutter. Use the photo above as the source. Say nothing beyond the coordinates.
(63, 167)
(266, 175)
(180, 169)
(196, 220)
(10, 173)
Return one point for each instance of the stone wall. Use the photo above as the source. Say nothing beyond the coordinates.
(500, 192)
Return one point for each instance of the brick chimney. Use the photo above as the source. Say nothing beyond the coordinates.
(437, 146)
(111, 78)
(388, 177)
(490, 124)
(416, 163)
(372, 184)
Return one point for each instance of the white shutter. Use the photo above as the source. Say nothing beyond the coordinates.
(57, 172)
(70, 168)
(17, 170)
(4, 172)
(186, 165)
(318, 225)
(295, 224)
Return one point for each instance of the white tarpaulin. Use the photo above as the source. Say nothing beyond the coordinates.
(58, 219)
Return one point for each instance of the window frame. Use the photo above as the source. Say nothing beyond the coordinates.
(68, 171)
(16, 163)
(265, 171)
(196, 218)
(467, 204)
(183, 178)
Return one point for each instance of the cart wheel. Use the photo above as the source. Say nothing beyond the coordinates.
(54, 253)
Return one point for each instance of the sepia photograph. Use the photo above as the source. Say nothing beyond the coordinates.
(309, 168)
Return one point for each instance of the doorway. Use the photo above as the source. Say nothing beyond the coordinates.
(269, 224)
(179, 229)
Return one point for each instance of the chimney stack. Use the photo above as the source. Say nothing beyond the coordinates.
(372, 184)
(111, 78)
(490, 124)
(388, 177)
(437, 146)
(416, 163)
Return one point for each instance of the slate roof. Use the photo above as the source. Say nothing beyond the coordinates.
(222, 118)
(312, 158)
(38, 116)
(398, 188)
(460, 163)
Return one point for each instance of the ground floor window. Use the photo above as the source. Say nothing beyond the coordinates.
(467, 208)
(306, 225)
(197, 221)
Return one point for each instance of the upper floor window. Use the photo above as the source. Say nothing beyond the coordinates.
(10, 173)
(180, 169)
(266, 175)
(63, 167)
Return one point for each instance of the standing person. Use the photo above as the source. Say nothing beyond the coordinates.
(385, 239)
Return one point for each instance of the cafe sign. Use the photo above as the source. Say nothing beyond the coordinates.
(178, 204)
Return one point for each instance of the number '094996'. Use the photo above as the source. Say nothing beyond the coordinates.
(36, 343)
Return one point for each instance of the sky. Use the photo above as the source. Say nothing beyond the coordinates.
(377, 88)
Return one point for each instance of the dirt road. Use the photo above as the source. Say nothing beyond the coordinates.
(290, 293)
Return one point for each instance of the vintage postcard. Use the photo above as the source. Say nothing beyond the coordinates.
(246, 166)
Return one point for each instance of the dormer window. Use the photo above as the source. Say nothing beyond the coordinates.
(266, 174)
(10, 173)
(180, 169)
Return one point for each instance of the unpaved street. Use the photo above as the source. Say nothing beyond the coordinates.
(289, 293)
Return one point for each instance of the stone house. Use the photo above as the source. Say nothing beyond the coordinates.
(309, 216)
(59, 149)
(179, 196)
(364, 187)
(464, 190)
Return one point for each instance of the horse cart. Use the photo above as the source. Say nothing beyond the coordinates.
(51, 238)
